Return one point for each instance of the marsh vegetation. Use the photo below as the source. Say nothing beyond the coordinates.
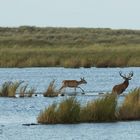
(105, 109)
(68, 47)
(10, 89)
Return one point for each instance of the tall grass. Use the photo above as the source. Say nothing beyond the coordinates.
(51, 90)
(49, 115)
(66, 112)
(100, 110)
(68, 47)
(87, 56)
(24, 92)
(70, 111)
(8, 89)
(130, 109)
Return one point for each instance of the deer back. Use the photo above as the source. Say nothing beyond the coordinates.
(70, 83)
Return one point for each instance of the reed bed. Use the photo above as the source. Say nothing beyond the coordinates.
(24, 92)
(104, 109)
(66, 112)
(51, 90)
(70, 111)
(130, 109)
(100, 110)
(8, 89)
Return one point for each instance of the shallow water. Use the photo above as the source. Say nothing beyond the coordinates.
(17, 111)
(98, 79)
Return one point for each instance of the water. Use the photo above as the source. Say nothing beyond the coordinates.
(98, 79)
(17, 111)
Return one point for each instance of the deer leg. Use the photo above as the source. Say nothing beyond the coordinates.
(61, 88)
(62, 94)
(75, 90)
(82, 90)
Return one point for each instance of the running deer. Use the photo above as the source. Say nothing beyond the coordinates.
(121, 87)
(73, 84)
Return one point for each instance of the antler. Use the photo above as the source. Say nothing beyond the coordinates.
(123, 76)
(130, 74)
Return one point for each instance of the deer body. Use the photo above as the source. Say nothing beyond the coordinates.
(120, 88)
(73, 84)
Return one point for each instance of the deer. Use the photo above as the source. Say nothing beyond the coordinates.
(73, 84)
(120, 88)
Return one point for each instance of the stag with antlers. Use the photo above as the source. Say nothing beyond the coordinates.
(118, 89)
(73, 84)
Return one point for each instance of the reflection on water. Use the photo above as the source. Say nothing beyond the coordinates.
(17, 111)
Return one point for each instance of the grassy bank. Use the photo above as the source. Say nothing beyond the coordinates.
(65, 56)
(68, 47)
(104, 109)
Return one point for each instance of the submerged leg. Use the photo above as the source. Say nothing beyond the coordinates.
(75, 91)
(83, 92)
(61, 94)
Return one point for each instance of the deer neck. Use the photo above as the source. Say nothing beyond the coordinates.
(79, 82)
(126, 83)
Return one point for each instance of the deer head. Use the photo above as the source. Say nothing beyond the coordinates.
(83, 81)
(128, 77)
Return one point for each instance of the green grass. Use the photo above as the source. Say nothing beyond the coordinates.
(68, 47)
